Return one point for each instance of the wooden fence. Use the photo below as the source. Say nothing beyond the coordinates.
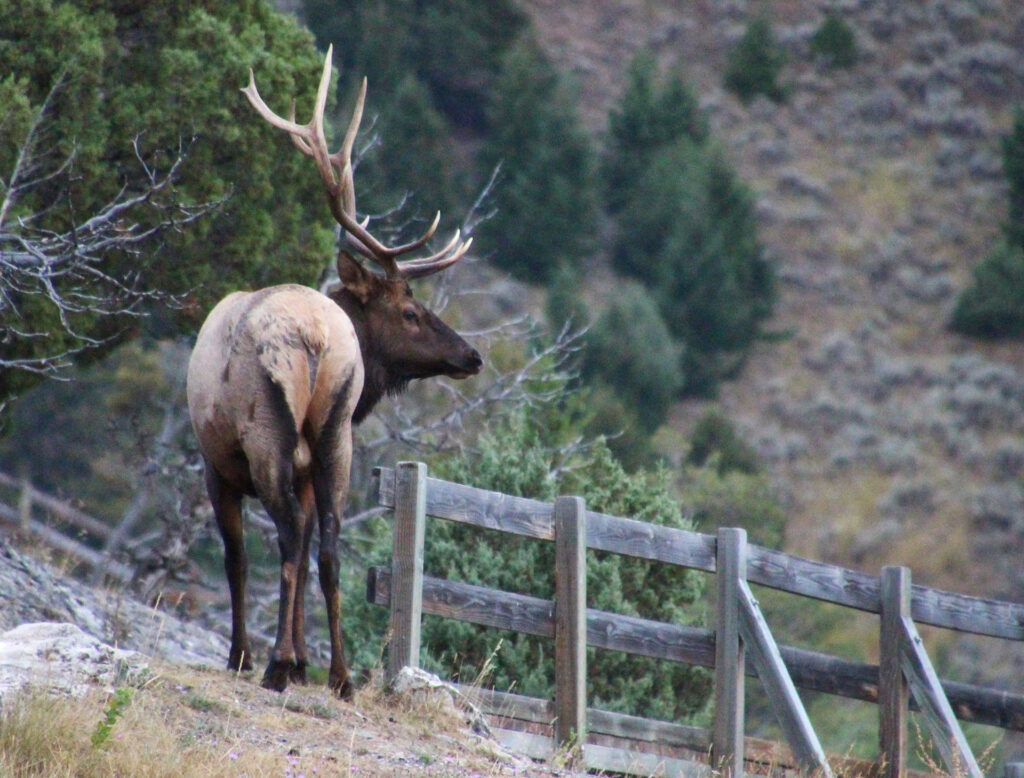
(78, 526)
(904, 678)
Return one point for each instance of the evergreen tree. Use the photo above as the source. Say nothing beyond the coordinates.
(754, 65)
(1013, 168)
(454, 47)
(688, 233)
(992, 307)
(834, 43)
(653, 112)
(412, 159)
(545, 201)
(167, 73)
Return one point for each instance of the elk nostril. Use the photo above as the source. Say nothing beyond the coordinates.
(475, 361)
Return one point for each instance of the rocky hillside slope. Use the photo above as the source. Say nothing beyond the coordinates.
(879, 188)
(187, 716)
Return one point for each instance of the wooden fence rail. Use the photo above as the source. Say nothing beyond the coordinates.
(23, 517)
(905, 678)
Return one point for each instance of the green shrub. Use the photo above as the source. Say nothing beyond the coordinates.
(834, 43)
(734, 499)
(616, 420)
(715, 439)
(631, 350)
(992, 307)
(754, 65)
(565, 305)
(518, 457)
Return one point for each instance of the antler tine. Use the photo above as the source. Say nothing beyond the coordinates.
(337, 175)
(425, 266)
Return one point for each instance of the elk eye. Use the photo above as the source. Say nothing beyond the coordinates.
(409, 314)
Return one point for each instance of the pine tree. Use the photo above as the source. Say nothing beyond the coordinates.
(689, 234)
(754, 65)
(1013, 168)
(412, 159)
(992, 307)
(653, 112)
(546, 195)
(454, 47)
(834, 43)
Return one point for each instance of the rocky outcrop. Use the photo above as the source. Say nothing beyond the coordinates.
(62, 659)
(30, 591)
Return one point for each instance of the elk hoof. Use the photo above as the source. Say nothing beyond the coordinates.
(276, 675)
(343, 688)
(297, 674)
(240, 661)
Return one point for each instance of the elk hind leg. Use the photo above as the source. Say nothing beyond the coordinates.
(227, 509)
(331, 482)
(298, 671)
(276, 491)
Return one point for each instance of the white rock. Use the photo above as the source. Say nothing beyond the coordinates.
(61, 659)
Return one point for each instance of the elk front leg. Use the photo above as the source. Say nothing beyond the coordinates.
(331, 482)
(227, 509)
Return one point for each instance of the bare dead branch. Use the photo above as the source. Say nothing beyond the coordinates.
(69, 269)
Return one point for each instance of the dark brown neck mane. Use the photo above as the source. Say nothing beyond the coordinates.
(379, 379)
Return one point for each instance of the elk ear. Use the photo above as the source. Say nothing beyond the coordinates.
(354, 277)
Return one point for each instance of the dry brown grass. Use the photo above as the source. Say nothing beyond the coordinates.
(213, 724)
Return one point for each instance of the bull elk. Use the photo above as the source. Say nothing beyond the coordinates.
(279, 376)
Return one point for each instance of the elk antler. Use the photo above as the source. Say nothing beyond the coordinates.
(336, 173)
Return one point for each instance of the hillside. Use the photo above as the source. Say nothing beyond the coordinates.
(185, 715)
(879, 188)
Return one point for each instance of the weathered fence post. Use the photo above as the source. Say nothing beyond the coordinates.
(570, 621)
(1013, 770)
(924, 683)
(407, 566)
(727, 735)
(25, 505)
(893, 690)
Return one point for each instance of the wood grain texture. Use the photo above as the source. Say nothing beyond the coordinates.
(695, 550)
(727, 726)
(811, 670)
(570, 620)
(938, 715)
(782, 695)
(893, 691)
(407, 567)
